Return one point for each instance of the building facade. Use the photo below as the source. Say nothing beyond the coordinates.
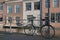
(54, 12)
(13, 10)
(31, 8)
(22, 9)
(1, 13)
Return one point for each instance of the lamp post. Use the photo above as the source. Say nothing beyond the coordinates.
(48, 18)
(40, 13)
(48, 10)
(10, 21)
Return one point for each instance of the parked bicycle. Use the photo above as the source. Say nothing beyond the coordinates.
(47, 31)
(30, 28)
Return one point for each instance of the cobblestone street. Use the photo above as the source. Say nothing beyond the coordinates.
(24, 37)
(20, 36)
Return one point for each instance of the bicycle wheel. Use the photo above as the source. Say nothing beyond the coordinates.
(38, 31)
(29, 30)
(47, 33)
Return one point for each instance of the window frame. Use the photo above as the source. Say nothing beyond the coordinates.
(1, 19)
(58, 17)
(1, 5)
(53, 18)
(36, 5)
(16, 9)
(8, 11)
(46, 2)
(17, 19)
(30, 5)
(55, 4)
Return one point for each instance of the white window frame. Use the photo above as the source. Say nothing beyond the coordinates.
(15, 9)
(8, 10)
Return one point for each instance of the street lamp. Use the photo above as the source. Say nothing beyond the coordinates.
(40, 13)
(10, 21)
(49, 17)
(48, 10)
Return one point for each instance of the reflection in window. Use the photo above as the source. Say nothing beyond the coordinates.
(1, 18)
(52, 17)
(58, 17)
(18, 23)
(46, 3)
(1, 6)
(9, 9)
(17, 19)
(37, 5)
(17, 7)
(28, 6)
(56, 3)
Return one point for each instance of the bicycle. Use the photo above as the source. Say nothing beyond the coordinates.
(44, 30)
(47, 30)
(30, 28)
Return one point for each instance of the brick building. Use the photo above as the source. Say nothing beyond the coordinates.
(54, 11)
(21, 9)
(13, 9)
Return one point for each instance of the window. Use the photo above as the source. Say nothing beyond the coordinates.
(55, 17)
(12, 0)
(58, 17)
(17, 7)
(1, 6)
(52, 17)
(1, 18)
(28, 6)
(29, 17)
(17, 19)
(10, 19)
(9, 9)
(56, 3)
(36, 5)
(46, 3)
(18, 23)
